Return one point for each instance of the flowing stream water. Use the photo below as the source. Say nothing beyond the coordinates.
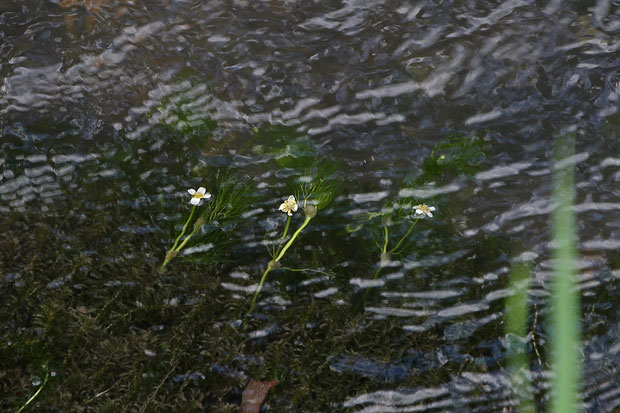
(111, 109)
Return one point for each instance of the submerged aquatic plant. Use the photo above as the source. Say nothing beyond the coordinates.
(399, 212)
(34, 396)
(419, 211)
(456, 155)
(197, 196)
(313, 194)
(225, 206)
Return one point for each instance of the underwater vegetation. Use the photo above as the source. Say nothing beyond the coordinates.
(404, 210)
(455, 155)
(288, 147)
(390, 228)
(158, 335)
(316, 187)
(217, 214)
(313, 193)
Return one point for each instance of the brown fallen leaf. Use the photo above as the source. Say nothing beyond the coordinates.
(255, 394)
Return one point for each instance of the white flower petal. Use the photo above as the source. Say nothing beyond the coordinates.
(207, 195)
(431, 208)
(291, 198)
(419, 211)
(191, 191)
(194, 201)
(282, 206)
(202, 190)
(290, 214)
(295, 207)
(430, 214)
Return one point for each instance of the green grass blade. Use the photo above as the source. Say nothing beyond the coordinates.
(565, 316)
(517, 315)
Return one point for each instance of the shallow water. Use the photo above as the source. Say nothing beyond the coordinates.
(110, 110)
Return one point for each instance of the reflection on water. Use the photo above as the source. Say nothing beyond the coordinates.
(110, 110)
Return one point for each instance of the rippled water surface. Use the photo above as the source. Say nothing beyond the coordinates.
(111, 109)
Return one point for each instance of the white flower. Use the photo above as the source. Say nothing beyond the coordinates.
(423, 209)
(289, 206)
(201, 193)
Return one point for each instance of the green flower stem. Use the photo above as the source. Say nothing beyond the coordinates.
(374, 277)
(288, 223)
(176, 241)
(405, 236)
(185, 240)
(36, 394)
(191, 215)
(385, 239)
(277, 259)
(385, 254)
(260, 287)
(290, 242)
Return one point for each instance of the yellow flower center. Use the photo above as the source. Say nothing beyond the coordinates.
(288, 205)
(198, 195)
(424, 208)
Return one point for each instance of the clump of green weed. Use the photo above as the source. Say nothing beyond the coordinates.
(313, 192)
(219, 213)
